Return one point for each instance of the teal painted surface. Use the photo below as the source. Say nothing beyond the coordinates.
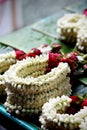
(24, 124)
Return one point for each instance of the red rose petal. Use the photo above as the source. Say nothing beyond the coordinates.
(85, 12)
(19, 54)
(75, 99)
(36, 51)
(31, 55)
(84, 103)
(53, 60)
(74, 56)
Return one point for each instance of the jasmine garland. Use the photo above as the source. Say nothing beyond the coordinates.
(28, 87)
(72, 29)
(55, 115)
(6, 60)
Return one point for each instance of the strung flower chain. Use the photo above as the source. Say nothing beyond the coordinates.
(61, 111)
(76, 60)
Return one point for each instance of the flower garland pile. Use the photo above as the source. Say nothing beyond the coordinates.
(29, 86)
(6, 60)
(72, 28)
(76, 60)
(64, 113)
(10, 58)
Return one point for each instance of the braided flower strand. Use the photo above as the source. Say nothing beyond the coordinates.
(6, 60)
(55, 115)
(28, 87)
(72, 28)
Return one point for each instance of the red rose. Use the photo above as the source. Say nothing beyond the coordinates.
(85, 12)
(30, 54)
(23, 57)
(74, 56)
(36, 51)
(19, 54)
(69, 61)
(53, 60)
(84, 103)
(74, 106)
(75, 99)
